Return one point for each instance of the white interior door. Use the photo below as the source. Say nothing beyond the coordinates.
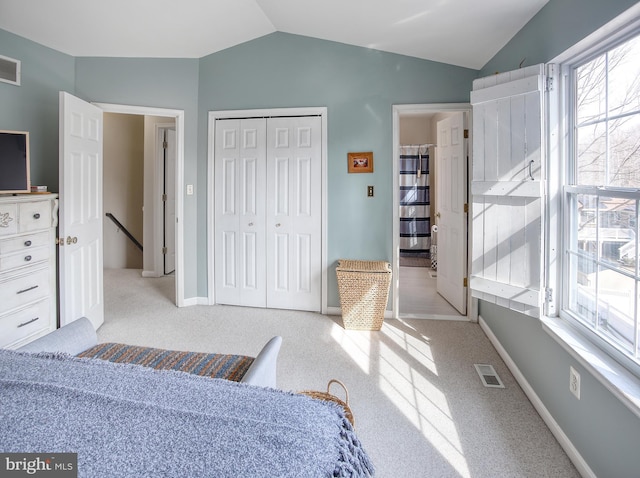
(80, 224)
(170, 201)
(451, 155)
(294, 221)
(240, 169)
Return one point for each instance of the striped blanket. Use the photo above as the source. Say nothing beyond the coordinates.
(229, 367)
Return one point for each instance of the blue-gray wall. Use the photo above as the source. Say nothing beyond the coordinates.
(161, 83)
(358, 86)
(33, 106)
(604, 431)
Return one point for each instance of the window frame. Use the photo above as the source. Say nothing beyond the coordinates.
(559, 322)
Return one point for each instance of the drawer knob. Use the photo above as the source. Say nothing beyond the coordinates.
(27, 243)
(27, 258)
(36, 215)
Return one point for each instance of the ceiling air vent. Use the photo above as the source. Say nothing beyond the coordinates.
(488, 375)
(9, 70)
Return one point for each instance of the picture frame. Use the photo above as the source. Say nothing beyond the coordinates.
(360, 162)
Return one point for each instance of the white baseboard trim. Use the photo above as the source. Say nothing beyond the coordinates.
(195, 301)
(338, 311)
(388, 314)
(563, 439)
(334, 311)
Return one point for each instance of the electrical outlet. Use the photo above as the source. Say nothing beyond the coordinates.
(189, 189)
(574, 382)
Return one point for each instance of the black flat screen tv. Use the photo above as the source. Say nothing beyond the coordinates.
(14, 162)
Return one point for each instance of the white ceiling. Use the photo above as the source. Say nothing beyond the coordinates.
(459, 32)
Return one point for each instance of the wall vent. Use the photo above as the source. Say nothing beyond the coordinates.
(9, 70)
(488, 375)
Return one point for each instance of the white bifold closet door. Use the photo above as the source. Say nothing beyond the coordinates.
(268, 212)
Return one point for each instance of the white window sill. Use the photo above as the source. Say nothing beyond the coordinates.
(617, 379)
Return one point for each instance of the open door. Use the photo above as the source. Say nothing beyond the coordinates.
(451, 217)
(169, 201)
(80, 222)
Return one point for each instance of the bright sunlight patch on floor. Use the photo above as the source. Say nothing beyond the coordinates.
(407, 376)
(356, 344)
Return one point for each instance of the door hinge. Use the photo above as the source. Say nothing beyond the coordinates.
(165, 144)
(164, 197)
(549, 84)
(548, 295)
(466, 134)
(164, 250)
(464, 282)
(466, 208)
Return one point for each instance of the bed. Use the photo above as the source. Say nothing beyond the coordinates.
(127, 420)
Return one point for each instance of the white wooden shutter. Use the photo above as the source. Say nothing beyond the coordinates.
(507, 189)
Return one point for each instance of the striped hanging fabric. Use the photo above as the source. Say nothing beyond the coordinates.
(415, 223)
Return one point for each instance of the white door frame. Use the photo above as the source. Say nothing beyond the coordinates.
(179, 175)
(262, 113)
(397, 111)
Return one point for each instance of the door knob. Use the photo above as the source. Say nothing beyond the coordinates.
(250, 224)
(278, 225)
(71, 240)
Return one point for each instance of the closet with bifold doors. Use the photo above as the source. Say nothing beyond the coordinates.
(268, 207)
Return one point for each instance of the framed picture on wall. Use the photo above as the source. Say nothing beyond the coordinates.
(360, 162)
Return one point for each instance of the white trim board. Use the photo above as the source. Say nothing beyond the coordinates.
(261, 113)
(179, 177)
(571, 451)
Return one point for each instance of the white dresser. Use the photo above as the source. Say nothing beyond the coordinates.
(28, 305)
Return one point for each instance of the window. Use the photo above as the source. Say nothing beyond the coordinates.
(600, 273)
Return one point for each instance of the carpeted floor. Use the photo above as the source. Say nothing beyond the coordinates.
(419, 406)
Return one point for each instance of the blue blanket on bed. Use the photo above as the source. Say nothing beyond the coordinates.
(131, 421)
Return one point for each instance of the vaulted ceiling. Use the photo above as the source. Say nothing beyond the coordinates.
(459, 32)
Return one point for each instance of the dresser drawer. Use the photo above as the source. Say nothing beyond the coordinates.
(24, 323)
(11, 261)
(19, 290)
(8, 219)
(23, 243)
(34, 216)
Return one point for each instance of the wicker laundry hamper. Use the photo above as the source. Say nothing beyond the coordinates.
(328, 397)
(364, 291)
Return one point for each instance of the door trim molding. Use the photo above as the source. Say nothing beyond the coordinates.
(416, 109)
(179, 178)
(261, 113)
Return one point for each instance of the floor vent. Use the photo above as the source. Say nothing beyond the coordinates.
(488, 375)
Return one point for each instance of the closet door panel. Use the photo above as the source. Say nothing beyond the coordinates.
(294, 213)
(240, 168)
